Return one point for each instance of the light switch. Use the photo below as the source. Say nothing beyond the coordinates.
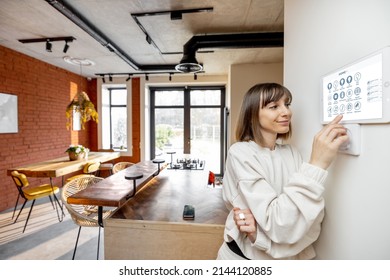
(353, 146)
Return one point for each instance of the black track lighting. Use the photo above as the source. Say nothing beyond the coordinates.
(129, 76)
(49, 41)
(148, 39)
(66, 47)
(48, 46)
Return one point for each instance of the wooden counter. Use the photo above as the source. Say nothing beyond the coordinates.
(115, 190)
(151, 225)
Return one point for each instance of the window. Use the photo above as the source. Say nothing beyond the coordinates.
(190, 122)
(114, 118)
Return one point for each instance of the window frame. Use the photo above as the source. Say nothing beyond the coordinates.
(187, 116)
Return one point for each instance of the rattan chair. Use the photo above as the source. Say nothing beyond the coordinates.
(90, 169)
(120, 166)
(83, 215)
(33, 193)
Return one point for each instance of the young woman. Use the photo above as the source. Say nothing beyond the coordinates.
(274, 197)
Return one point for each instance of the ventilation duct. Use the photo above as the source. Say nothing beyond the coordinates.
(189, 64)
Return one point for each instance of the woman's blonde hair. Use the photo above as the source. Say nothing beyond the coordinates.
(258, 96)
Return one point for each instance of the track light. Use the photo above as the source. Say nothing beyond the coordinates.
(195, 76)
(176, 15)
(170, 76)
(110, 78)
(128, 78)
(48, 46)
(146, 77)
(48, 41)
(66, 47)
(148, 39)
(104, 80)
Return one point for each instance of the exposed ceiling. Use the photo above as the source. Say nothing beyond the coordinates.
(155, 42)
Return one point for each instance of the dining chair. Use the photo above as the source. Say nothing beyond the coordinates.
(90, 169)
(83, 215)
(33, 193)
(107, 166)
(120, 166)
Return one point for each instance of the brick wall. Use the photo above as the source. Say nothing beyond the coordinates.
(43, 92)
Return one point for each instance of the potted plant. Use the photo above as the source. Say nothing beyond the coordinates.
(77, 152)
(83, 105)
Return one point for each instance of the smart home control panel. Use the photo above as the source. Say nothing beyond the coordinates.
(359, 91)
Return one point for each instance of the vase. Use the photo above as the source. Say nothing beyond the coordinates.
(74, 156)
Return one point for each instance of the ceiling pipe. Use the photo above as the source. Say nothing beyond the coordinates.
(73, 15)
(189, 64)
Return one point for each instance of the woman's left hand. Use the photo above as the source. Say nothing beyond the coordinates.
(245, 222)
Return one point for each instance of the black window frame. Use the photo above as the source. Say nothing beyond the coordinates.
(187, 109)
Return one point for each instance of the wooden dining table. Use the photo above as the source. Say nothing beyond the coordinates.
(61, 166)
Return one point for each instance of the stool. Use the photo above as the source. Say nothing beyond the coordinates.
(133, 176)
(158, 161)
(171, 153)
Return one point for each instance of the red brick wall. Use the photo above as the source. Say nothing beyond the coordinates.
(136, 122)
(43, 93)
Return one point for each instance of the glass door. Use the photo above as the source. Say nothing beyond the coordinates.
(188, 124)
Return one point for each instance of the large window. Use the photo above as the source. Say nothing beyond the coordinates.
(189, 121)
(114, 109)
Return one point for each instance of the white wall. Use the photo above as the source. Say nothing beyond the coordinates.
(321, 36)
(241, 78)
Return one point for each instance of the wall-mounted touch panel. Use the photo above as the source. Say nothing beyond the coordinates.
(360, 91)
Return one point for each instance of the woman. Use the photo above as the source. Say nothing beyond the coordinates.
(275, 199)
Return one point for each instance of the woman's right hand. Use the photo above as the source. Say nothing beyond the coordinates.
(245, 222)
(327, 142)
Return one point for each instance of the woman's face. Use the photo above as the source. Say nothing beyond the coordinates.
(275, 118)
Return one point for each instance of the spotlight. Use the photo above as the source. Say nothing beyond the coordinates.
(195, 76)
(110, 78)
(66, 47)
(148, 39)
(170, 76)
(176, 15)
(128, 78)
(48, 46)
(104, 80)
(146, 77)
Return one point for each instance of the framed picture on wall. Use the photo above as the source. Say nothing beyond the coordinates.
(8, 113)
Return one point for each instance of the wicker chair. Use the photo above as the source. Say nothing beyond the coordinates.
(83, 215)
(120, 166)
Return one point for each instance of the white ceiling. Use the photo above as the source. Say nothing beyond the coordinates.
(31, 19)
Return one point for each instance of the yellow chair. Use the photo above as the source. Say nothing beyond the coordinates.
(120, 166)
(83, 215)
(107, 166)
(90, 169)
(33, 193)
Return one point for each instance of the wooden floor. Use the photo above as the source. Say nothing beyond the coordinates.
(45, 237)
